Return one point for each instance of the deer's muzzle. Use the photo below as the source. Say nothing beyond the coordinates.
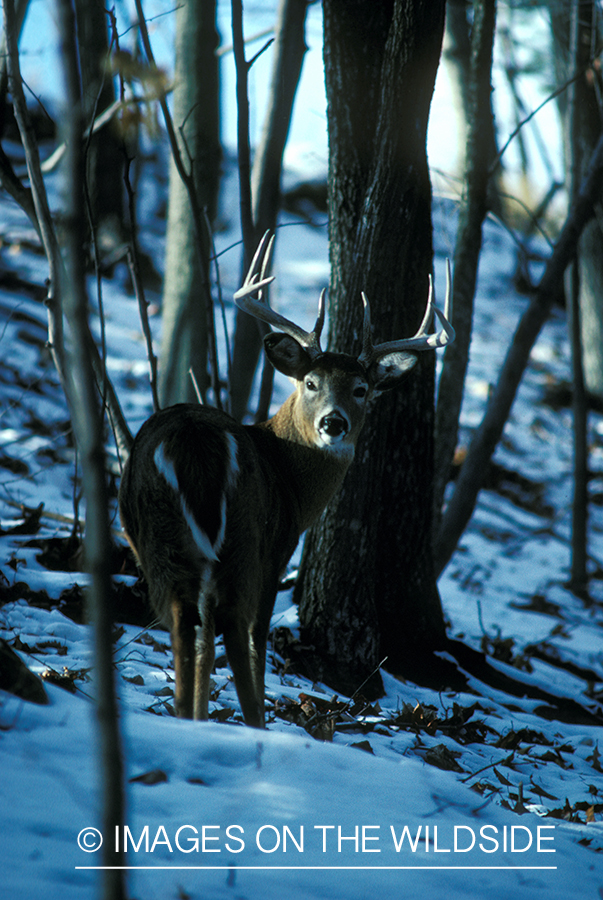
(333, 427)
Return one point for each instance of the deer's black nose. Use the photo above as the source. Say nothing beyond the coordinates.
(333, 424)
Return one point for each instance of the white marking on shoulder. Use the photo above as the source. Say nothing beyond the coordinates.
(166, 468)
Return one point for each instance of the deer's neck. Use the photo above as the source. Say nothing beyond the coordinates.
(316, 473)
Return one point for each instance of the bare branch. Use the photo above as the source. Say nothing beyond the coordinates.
(529, 117)
(52, 161)
(254, 58)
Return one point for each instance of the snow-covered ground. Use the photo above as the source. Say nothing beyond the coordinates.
(459, 794)
(491, 771)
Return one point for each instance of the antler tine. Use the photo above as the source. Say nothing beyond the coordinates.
(421, 340)
(253, 282)
(428, 316)
(367, 332)
(448, 299)
(267, 255)
(320, 318)
(446, 317)
(249, 298)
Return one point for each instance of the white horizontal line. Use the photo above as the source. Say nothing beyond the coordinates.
(321, 868)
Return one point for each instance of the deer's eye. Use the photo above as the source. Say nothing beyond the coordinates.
(311, 385)
(360, 392)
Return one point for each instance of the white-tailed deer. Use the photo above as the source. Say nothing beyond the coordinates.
(214, 509)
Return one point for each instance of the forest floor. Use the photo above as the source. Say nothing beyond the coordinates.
(516, 753)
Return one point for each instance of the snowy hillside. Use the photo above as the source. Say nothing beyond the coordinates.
(487, 784)
(494, 791)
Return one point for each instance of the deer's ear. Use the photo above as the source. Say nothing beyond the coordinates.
(389, 371)
(287, 355)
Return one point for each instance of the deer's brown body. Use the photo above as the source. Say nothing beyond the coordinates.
(214, 509)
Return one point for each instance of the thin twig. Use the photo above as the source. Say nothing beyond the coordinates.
(228, 48)
(52, 161)
(515, 132)
(255, 58)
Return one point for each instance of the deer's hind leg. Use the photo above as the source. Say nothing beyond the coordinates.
(259, 637)
(238, 644)
(184, 618)
(205, 653)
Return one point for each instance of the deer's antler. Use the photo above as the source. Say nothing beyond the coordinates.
(419, 341)
(249, 298)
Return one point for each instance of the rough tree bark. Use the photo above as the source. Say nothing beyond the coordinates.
(457, 55)
(367, 588)
(196, 116)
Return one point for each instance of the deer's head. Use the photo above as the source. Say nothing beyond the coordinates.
(333, 390)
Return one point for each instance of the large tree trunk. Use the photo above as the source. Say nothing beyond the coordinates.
(367, 587)
(197, 120)
(105, 160)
